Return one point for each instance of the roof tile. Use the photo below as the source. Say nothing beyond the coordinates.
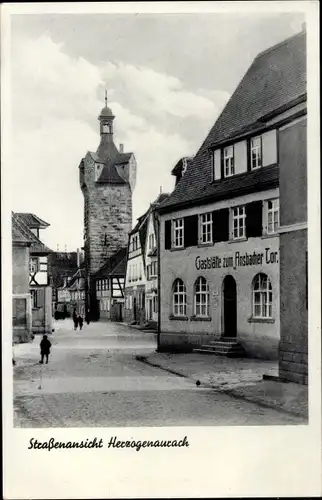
(276, 78)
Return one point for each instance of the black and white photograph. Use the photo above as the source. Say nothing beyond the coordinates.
(159, 171)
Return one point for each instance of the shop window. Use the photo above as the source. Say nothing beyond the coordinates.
(272, 216)
(201, 297)
(255, 153)
(238, 222)
(205, 228)
(179, 298)
(229, 164)
(177, 233)
(262, 297)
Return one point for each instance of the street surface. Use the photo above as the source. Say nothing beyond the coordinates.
(93, 379)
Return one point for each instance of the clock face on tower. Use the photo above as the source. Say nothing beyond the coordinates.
(106, 128)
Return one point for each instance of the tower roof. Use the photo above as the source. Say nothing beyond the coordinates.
(106, 113)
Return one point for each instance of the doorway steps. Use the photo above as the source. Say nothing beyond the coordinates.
(223, 347)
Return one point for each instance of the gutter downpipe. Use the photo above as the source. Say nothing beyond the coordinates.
(159, 282)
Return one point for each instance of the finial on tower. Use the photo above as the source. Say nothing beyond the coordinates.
(105, 98)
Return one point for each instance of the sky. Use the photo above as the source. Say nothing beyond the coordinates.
(168, 77)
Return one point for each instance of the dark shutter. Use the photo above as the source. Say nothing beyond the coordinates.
(221, 225)
(40, 297)
(249, 161)
(254, 219)
(167, 234)
(190, 228)
(222, 163)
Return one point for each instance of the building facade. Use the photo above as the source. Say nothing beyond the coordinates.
(107, 180)
(135, 279)
(219, 233)
(151, 264)
(61, 268)
(293, 359)
(109, 282)
(39, 282)
(21, 297)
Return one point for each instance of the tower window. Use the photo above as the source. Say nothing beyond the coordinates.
(107, 128)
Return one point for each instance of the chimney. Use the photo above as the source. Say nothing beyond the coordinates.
(78, 259)
(121, 148)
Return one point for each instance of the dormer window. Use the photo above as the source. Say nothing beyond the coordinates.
(229, 165)
(256, 152)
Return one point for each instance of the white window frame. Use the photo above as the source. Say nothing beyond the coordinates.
(238, 215)
(179, 298)
(229, 161)
(256, 148)
(177, 233)
(262, 300)
(272, 216)
(205, 228)
(201, 298)
(33, 265)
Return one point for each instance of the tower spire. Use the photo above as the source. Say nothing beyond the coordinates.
(105, 98)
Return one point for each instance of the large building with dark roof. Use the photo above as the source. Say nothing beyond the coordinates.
(107, 180)
(220, 228)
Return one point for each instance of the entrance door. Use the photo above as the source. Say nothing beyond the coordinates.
(230, 307)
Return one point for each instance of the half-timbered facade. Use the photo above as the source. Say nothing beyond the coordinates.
(39, 282)
(109, 282)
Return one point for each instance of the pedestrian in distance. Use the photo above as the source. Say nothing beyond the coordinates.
(80, 322)
(87, 318)
(75, 319)
(45, 346)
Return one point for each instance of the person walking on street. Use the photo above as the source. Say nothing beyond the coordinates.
(80, 322)
(45, 346)
(75, 319)
(87, 318)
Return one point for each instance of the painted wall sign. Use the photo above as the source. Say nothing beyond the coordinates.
(238, 260)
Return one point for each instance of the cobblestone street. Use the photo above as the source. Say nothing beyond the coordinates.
(93, 379)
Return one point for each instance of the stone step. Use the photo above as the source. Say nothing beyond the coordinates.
(223, 343)
(220, 348)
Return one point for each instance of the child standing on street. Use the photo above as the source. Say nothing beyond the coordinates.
(45, 346)
(80, 322)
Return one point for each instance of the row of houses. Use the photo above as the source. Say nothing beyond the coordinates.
(220, 263)
(225, 254)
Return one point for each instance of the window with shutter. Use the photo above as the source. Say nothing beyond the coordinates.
(167, 235)
(221, 225)
(254, 219)
(191, 230)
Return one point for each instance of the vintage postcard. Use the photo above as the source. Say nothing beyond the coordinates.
(161, 250)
